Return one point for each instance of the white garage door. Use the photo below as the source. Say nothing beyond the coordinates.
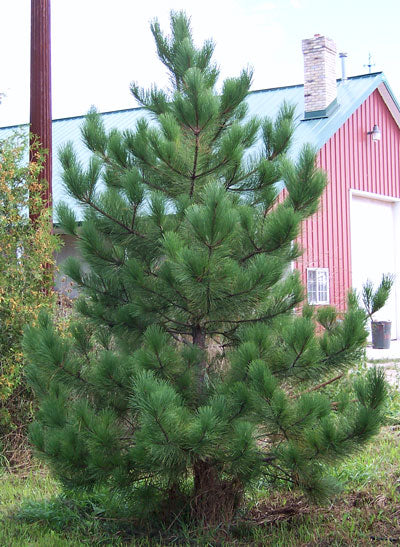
(373, 248)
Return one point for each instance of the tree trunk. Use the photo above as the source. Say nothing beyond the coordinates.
(199, 340)
(214, 500)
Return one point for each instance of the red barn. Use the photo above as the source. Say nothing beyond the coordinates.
(354, 124)
(356, 233)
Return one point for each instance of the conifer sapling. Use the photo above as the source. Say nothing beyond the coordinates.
(188, 375)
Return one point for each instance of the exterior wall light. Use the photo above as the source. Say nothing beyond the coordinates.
(375, 133)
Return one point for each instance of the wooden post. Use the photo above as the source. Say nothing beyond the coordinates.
(40, 105)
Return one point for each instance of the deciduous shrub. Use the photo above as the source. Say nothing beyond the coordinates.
(26, 273)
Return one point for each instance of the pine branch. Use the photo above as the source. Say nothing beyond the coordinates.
(170, 320)
(244, 177)
(221, 128)
(213, 169)
(103, 213)
(95, 289)
(287, 476)
(232, 178)
(299, 354)
(170, 166)
(324, 384)
(193, 176)
(175, 336)
(247, 291)
(246, 321)
(172, 303)
(183, 297)
(135, 208)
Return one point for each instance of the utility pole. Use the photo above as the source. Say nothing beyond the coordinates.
(40, 104)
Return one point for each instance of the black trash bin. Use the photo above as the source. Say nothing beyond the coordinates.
(381, 334)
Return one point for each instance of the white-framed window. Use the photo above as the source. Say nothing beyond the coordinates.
(318, 285)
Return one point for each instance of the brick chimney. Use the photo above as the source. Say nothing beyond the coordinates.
(319, 77)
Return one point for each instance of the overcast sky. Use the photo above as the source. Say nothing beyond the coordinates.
(100, 46)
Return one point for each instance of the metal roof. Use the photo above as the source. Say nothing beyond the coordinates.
(351, 94)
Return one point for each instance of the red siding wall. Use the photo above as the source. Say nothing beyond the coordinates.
(352, 161)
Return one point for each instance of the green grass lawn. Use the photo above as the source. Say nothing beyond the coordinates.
(33, 511)
(366, 513)
(14, 488)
